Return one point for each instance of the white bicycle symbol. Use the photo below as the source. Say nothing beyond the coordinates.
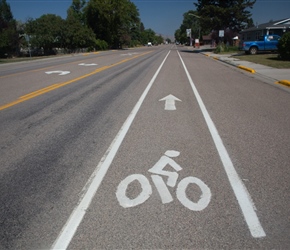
(161, 187)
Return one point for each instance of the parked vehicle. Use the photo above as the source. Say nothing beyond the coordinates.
(265, 43)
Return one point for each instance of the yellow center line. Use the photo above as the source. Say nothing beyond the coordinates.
(37, 92)
(59, 85)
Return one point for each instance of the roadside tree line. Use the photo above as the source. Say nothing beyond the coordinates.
(230, 16)
(211, 16)
(91, 25)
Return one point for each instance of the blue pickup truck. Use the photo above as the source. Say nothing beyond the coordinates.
(265, 43)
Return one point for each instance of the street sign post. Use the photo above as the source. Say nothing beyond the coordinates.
(188, 33)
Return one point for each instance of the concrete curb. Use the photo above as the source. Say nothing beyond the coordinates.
(284, 82)
(239, 66)
(259, 71)
(247, 69)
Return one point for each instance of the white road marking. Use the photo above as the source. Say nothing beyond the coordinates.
(161, 187)
(88, 64)
(204, 199)
(142, 197)
(238, 186)
(170, 102)
(159, 166)
(129, 54)
(59, 72)
(91, 187)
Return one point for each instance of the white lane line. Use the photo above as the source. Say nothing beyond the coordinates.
(92, 185)
(241, 192)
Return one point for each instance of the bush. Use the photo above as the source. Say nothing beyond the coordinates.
(284, 46)
(101, 45)
(221, 47)
(134, 43)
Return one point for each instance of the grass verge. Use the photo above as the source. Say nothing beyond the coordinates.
(21, 59)
(270, 60)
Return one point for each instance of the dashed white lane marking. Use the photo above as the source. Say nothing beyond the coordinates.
(91, 187)
(238, 186)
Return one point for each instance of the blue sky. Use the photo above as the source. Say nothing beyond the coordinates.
(163, 16)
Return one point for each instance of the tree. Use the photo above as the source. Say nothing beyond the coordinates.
(189, 22)
(113, 20)
(8, 31)
(148, 35)
(284, 46)
(97, 18)
(127, 23)
(46, 32)
(158, 39)
(20, 27)
(76, 34)
(77, 10)
(217, 15)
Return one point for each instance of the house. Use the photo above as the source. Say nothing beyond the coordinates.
(207, 39)
(272, 28)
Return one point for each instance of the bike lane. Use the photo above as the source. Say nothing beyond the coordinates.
(166, 186)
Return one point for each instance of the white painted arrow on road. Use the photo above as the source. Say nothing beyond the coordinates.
(170, 102)
(59, 72)
(129, 54)
(87, 64)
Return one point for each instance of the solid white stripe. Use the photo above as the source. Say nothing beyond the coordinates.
(91, 187)
(238, 186)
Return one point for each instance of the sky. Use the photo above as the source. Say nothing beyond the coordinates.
(162, 16)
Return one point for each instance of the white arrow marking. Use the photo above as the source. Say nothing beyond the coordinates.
(59, 72)
(170, 102)
(87, 64)
(129, 54)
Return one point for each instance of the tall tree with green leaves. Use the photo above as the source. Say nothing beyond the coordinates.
(112, 20)
(46, 32)
(76, 33)
(148, 35)
(127, 23)
(77, 10)
(190, 21)
(8, 31)
(217, 15)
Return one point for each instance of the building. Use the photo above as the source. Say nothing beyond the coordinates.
(272, 28)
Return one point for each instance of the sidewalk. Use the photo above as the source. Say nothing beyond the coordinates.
(281, 76)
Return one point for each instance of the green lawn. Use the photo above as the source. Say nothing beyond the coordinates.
(270, 60)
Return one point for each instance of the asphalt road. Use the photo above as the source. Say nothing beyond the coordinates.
(150, 148)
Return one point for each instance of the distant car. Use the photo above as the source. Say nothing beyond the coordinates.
(149, 44)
